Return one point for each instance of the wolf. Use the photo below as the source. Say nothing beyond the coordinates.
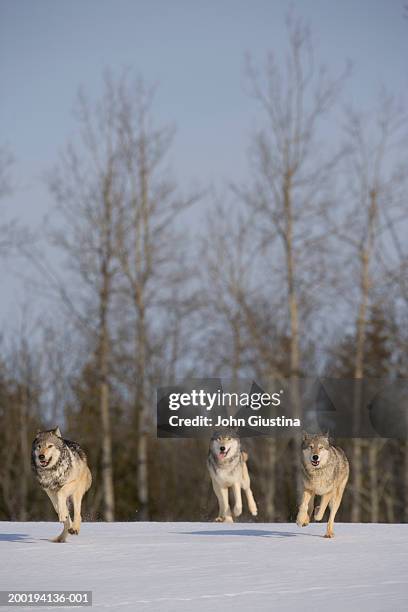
(227, 467)
(62, 470)
(325, 471)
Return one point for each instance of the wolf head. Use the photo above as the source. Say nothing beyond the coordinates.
(315, 449)
(46, 448)
(225, 444)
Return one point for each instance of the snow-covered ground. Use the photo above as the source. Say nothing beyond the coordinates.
(207, 566)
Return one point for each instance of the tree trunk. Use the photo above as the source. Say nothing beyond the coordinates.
(357, 450)
(374, 484)
(290, 266)
(143, 268)
(107, 467)
(24, 454)
(294, 357)
(142, 441)
(269, 479)
(405, 466)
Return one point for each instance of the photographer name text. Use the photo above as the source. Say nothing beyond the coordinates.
(231, 421)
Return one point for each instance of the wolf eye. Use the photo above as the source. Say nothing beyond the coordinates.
(49, 446)
(227, 439)
(311, 446)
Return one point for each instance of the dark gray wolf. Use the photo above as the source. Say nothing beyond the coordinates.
(227, 467)
(61, 469)
(325, 471)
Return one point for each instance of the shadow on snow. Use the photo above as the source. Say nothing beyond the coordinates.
(14, 537)
(262, 533)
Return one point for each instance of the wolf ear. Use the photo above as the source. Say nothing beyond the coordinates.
(57, 432)
(305, 436)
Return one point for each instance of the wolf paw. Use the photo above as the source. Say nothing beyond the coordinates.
(329, 535)
(73, 531)
(237, 510)
(60, 539)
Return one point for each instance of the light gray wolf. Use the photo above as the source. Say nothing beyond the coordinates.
(61, 469)
(227, 467)
(325, 471)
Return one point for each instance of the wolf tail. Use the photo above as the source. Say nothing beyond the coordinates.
(244, 456)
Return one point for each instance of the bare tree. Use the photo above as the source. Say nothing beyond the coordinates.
(147, 248)
(289, 189)
(374, 175)
(87, 187)
(291, 171)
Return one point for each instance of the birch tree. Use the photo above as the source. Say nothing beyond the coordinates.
(292, 166)
(87, 188)
(375, 171)
(148, 249)
(291, 170)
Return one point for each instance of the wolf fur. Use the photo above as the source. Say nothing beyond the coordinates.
(325, 471)
(228, 469)
(62, 471)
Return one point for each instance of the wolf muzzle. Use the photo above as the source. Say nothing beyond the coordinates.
(223, 453)
(315, 460)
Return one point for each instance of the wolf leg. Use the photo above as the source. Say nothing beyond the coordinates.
(246, 485)
(310, 507)
(302, 518)
(251, 501)
(63, 516)
(321, 509)
(54, 500)
(309, 511)
(76, 500)
(238, 499)
(217, 492)
(63, 535)
(334, 506)
(224, 510)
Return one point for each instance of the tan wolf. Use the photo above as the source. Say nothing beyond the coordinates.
(227, 467)
(61, 469)
(325, 471)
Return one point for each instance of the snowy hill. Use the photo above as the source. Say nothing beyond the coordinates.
(207, 566)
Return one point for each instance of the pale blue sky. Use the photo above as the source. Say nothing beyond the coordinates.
(194, 50)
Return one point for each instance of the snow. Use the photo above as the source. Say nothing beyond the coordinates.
(210, 566)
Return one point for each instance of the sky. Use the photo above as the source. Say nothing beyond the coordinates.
(194, 51)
